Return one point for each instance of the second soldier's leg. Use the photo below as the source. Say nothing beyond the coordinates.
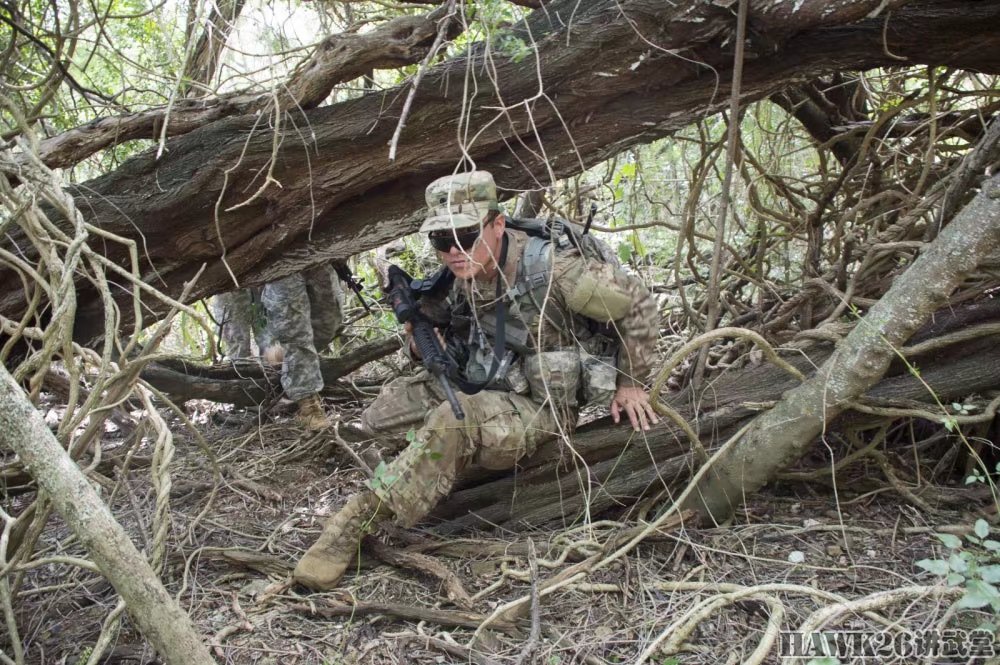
(233, 312)
(261, 332)
(290, 323)
(326, 300)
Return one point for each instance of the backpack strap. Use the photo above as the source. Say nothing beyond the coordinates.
(535, 267)
(534, 276)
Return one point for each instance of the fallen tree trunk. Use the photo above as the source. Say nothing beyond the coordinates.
(612, 465)
(605, 77)
(249, 382)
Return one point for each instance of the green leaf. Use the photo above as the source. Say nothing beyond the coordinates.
(949, 540)
(978, 594)
(624, 252)
(954, 579)
(982, 528)
(991, 545)
(934, 566)
(411, 435)
(825, 660)
(957, 563)
(990, 574)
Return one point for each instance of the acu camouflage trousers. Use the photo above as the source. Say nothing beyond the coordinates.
(237, 316)
(304, 314)
(499, 429)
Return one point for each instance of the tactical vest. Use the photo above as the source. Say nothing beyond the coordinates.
(573, 365)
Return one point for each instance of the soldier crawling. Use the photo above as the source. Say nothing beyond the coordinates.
(555, 299)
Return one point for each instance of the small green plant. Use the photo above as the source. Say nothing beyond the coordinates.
(977, 475)
(950, 422)
(973, 564)
(381, 478)
(513, 47)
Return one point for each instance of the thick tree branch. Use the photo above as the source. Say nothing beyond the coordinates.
(203, 63)
(339, 58)
(248, 382)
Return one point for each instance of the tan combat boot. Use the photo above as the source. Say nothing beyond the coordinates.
(311, 414)
(323, 564)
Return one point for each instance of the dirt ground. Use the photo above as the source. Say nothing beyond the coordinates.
(722, 593)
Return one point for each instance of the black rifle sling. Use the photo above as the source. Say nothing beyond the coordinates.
(500, 346)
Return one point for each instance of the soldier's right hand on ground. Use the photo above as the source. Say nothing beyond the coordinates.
(635, 402)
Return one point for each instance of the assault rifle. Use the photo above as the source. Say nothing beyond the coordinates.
(402, 290)
(346, 276)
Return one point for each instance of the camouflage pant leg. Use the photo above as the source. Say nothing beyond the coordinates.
(289, 320)
(325, 304)
(401, 404)
(234, 314)
(499, 429)
(258, 321)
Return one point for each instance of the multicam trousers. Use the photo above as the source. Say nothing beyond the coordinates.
(499, 429)
(304, 314)
(237, 316)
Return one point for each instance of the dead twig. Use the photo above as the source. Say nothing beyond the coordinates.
(423, 564)
(460, 618)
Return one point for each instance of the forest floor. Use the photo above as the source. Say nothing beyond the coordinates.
(794, 549)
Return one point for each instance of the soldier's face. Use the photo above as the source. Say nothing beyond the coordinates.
(478, 262)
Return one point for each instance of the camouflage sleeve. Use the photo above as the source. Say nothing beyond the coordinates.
(607, 294)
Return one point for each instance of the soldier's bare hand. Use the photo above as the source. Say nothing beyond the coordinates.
(634, 401)
(408, 328)
(274, 354)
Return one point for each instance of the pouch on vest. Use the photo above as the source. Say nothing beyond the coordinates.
(600, 379)
(554, 375)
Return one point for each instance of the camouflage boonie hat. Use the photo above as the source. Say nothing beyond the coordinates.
(459, 201)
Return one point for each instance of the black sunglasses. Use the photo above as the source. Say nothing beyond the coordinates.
(445, 239)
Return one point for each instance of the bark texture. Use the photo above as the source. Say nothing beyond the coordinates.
(607, 75)
(158, 616)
